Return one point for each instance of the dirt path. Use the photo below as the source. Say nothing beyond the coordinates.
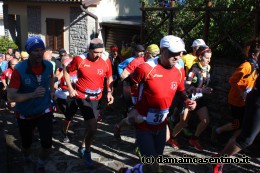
(109, 154)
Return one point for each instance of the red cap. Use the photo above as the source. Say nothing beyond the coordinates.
(113, 48)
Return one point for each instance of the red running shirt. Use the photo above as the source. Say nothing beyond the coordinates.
(6, 75)
(90, 74)
(157, 88)
(73, 77)
(133, 64)
(130, 68)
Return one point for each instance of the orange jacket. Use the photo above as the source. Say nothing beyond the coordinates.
(239, 84)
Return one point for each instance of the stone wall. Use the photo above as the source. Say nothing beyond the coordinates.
(78, 31)
(217, 101)
(91, 23)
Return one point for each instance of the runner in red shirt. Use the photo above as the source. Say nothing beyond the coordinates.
(151, 52)
(158, 79)
(7, 74)
(67, 105)
(6, 77)
(91, 68)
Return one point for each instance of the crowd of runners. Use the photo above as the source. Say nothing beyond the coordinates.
(160, 84)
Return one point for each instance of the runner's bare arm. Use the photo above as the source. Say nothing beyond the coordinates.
(125, 74)
(110, 97)
(4, 84)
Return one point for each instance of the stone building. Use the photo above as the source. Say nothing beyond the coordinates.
(71, 24)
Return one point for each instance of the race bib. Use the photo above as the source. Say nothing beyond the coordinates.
(156, 117)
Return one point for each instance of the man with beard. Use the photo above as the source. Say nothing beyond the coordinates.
(91, 68)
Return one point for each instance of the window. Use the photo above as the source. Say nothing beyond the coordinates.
(54, 38)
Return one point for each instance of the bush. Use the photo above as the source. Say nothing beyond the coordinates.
(5, 44)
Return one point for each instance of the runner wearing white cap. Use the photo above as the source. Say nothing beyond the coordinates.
(159, 79)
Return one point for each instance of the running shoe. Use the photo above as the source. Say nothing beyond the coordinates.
(195, 143)
(88, 160)
(173, 143)
(81, 152)
(117, 132)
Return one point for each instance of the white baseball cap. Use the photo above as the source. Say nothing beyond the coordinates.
(173, 43)
(199, 42)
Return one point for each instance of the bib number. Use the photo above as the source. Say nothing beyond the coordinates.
(156, 117)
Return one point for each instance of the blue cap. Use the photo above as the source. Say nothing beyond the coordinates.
(34, 43)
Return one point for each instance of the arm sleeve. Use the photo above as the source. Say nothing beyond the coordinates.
(191, 74)
(73, 65)
(139, 74)
(3, 75)
(131, 67)
(109, 71)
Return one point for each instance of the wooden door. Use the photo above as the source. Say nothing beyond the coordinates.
(55, 38)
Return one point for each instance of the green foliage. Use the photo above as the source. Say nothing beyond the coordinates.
(228, 29)
(5, 44)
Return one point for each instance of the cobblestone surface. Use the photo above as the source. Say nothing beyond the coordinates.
(109, 154)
